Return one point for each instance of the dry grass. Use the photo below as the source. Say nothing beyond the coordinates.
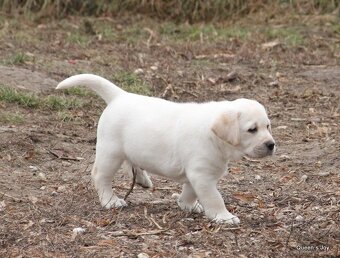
(179, 10)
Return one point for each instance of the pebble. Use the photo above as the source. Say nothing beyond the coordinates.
(42, 176)
(33, 168)
(258, 177)
(78, 230)
(274, 83)
(304, 178)
(299, 218)
(139, 71)
(142, 255)
(2, 206)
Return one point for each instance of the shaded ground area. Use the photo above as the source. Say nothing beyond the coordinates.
(288, 205)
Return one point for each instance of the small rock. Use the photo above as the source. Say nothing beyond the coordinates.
(33, 168)
(304, 178)
(42, 176)
(154, 68)
(61, 188)
(299, 218)
(282, 127)
(327, 173)
(258, 177)
(66, 163)
(2, 206)
(274, 83)
(54, 193)
(139, 71)
(278, 75)
(231, 76)
(43, 187)
(175, 195)
(284, 157)
(33, 199)
(78, 230)
(143, 255)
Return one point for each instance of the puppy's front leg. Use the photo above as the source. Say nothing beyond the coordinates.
(187, 200)
(211, 199)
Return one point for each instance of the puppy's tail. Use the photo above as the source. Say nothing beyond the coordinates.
(104, 88)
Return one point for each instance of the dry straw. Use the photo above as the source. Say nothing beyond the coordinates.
(178, 10)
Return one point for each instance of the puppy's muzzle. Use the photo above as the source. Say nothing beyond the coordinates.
(270, 145)
(265, 149)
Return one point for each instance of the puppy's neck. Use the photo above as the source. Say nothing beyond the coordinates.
(228, 151)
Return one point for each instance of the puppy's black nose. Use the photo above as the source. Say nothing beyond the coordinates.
(270, 145)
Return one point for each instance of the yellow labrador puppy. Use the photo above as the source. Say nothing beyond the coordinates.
(187, 142)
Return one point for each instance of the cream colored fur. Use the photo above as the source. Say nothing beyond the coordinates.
(190, 143)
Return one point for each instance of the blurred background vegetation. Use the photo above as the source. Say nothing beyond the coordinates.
(175, 10)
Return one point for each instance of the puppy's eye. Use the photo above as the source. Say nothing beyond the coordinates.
(252, 130)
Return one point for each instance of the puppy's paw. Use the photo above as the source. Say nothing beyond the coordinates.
(191, 207)
(144, 180)
(114, 203)
(227, 218)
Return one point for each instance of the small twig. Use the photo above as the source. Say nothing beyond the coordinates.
(62, 157)
(10, 196)
(136, 234)
(134, 173)
(154, 222)
(290, 233)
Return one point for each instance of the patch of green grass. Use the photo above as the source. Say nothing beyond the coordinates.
(336, 28)
(17, 59)
(291, 36)
(133, 34)
(31, 100)
(131, 83)
(76, 37)
(185, 32)
(61, 103)
(79, 91)
(106, 30)
(11, 118)
(66, 116)
(24, 99)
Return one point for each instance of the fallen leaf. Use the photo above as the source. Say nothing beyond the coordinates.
(107, 242)
(235, 170)
(261, 204)
(33, 199)
(270, 45)
(102, 222)
(246, 197)
(28, 225)
(286, 178)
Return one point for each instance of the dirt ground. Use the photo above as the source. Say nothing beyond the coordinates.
(288, 204)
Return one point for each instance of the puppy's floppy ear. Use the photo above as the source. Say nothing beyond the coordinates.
(226, 127)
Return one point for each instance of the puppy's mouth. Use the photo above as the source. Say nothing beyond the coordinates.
(260, 152)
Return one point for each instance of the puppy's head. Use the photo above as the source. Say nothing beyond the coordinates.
(245, 126)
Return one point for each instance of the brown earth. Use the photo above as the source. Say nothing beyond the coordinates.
(288, 204)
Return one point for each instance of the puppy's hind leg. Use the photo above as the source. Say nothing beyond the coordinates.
(142, 177)
(105, 166)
